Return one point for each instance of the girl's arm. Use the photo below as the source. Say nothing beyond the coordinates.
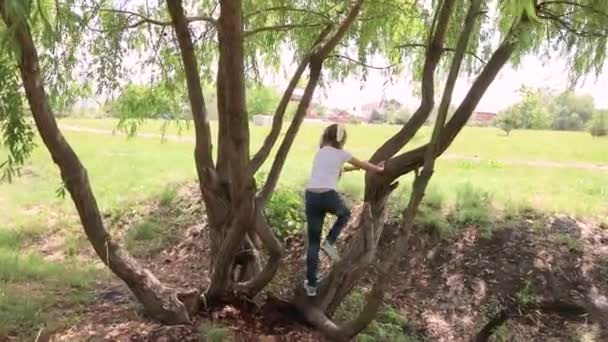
(359, 164)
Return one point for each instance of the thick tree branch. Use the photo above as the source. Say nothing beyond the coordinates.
(275, 251)
(292, 131)
(203, 154)
(376, 295)
(413, 159)
(235, 128)
(159, 301)
(432, 57)
(277, 121)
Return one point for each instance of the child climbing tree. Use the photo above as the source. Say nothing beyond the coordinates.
(226, 42)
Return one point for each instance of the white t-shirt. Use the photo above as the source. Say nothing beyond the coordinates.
(326, 168)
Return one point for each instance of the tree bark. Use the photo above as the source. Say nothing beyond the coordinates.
(215, 202)
(275, 253)
(159, 301)
(234, 127)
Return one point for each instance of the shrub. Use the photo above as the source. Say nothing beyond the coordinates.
(285, 212)
(599, 124)
(262, 100)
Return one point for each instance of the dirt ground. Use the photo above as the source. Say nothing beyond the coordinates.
(448, 290)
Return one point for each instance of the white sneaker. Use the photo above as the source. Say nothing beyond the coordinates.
(311, 291)
(330, 250)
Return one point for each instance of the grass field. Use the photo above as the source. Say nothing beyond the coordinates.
(125, 169)
(516, 171)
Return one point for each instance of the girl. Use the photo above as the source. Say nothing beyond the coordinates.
(322, 198)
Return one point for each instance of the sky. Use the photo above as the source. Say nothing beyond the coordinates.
(502, 93)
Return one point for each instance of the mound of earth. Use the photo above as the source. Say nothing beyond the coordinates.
(526, 282)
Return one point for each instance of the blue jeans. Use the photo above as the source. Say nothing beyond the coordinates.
(317, 206)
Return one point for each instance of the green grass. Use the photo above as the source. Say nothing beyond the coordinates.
(486, 143)
(124, 170)
(147, 238)
(389, 324)
(167, 196)
(209, 332)
(472, 206)
(573, 244)
(30, 287)
(525, 296)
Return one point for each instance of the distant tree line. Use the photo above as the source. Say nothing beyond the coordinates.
(541, 108)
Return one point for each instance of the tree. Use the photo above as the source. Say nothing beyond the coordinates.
(599, 124)
(397, 116)
(507, 120)
(138, 101)
(261, 100)
(541, 108)
(532, 112)
(571, 111)
(233, 34)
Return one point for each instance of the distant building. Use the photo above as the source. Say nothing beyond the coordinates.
(311, 111)
(483, 118)
(341, 116)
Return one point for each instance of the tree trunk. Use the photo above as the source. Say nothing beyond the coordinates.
(234, 127)
(211, 184)
(358, 257)
(159, 301)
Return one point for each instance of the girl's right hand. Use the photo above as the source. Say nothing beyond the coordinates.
(367, 166)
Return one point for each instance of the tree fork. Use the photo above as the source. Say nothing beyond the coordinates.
(378, 188)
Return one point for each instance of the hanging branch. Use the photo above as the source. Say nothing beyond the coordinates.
(147, 20)
(365, 65)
